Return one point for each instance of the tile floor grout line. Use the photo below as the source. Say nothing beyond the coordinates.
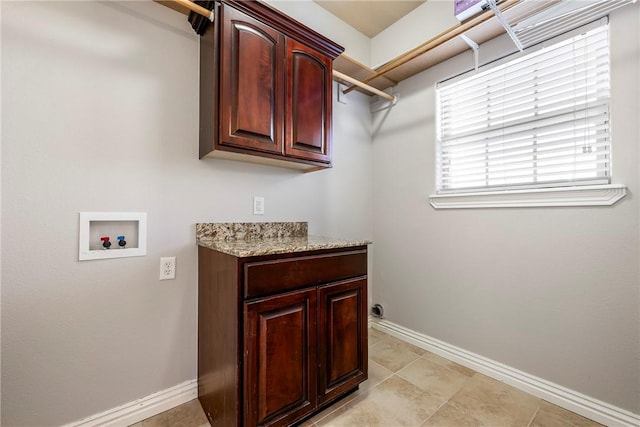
(535, 413)
(338, 405)
(344, 401)
(407, 365)
(443, 365)
(370, 346)
(392, 341)
(436, 411)
(383, 380)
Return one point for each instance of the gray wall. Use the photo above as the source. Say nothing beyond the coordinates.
(550, 291)
(425, 22)
(99, 113)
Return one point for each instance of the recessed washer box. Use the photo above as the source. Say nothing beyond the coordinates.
(95, 225)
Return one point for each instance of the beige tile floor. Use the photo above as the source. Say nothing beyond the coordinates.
(408, 386)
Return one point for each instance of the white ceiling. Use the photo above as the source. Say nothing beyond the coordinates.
(369, 16)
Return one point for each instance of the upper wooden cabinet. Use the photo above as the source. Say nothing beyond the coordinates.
(265, 88)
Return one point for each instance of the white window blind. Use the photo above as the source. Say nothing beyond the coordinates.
(541, 120)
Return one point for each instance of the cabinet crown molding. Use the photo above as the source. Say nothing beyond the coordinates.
(287, 25)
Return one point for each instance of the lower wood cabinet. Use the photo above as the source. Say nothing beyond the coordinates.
(280, 336)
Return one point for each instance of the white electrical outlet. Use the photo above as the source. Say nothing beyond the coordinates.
(342, 97)
(167, 268)
(258, 205)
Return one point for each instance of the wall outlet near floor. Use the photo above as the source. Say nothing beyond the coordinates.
(167, 268)
(258, 205)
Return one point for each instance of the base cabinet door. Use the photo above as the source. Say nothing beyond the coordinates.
(280, 362)
(342, 337)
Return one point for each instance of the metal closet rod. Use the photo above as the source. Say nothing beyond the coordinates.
(337, 74)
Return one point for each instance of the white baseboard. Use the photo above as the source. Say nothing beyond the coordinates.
(602, 412)
(579, 403)
(143, 408)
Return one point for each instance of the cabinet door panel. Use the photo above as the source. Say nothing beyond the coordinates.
(343, 337)
(280, 364)
(308, 111)
(251, 83)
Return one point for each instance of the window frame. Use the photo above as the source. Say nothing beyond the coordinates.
(596, 192)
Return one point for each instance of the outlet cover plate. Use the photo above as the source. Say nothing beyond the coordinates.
(167, 268)
(258, 205)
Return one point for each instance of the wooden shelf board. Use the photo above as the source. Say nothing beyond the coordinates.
(353, 68)
(481, 33)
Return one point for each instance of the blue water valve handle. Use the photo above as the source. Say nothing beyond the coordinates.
(121, 242)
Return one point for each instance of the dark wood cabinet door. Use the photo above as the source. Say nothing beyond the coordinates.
(308, 109)
(342, 337)
(251, 83)
(280, 359)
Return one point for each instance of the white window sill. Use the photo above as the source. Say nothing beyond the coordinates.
(588, 195)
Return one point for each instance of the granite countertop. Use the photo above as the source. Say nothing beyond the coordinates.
(268, 238)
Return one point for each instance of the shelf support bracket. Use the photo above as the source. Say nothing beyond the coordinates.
(505, 24)
(473, 46)
(382, 104)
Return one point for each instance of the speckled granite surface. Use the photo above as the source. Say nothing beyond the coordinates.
(267, 238)
(250, 230)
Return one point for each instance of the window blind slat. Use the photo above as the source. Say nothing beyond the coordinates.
(496, 116)
(534, 120)
(593, 78)
(512, 78)
(578, 130)
(536, 176)
(506, 151)
(496, 168)
(513, 154)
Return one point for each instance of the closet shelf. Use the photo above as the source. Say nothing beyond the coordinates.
(443, 46)
(351, 67)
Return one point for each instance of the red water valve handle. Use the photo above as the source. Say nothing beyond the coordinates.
(105, 242)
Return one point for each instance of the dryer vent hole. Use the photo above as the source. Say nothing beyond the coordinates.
(377, 311)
